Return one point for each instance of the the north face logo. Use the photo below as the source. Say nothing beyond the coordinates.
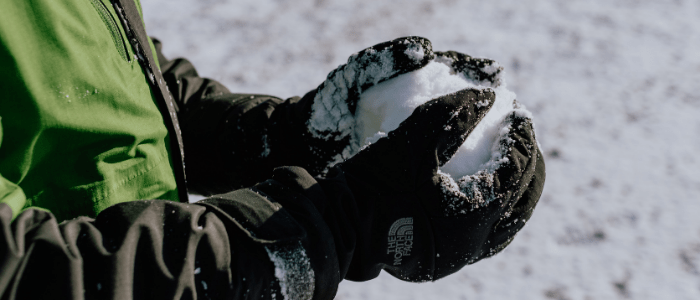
(400, 239)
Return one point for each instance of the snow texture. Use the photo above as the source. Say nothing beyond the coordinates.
(383, 107)
(293, 271)
(331, 116)
(416, 53)
(612, 85)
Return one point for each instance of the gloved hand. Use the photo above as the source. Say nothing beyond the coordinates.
(316, 131)
(420, 224)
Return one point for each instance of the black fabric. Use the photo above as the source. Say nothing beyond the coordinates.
(152, 249)
(224, 134)
(289, 129)
(396, 179)
(236, 140)
(474, 68)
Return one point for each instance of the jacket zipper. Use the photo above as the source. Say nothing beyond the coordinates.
(111, 24)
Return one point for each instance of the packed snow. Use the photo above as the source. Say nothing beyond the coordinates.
(332, 111)
(383, 107)
(612, 86)
(293, 271)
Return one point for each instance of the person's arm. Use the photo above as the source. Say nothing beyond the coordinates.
(239, 245)
(236, 140)
(223, 133)
(293, 236)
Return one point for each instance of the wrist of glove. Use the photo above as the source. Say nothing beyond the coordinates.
(422, 225)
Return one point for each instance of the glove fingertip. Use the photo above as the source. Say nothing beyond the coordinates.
(411, 53)
(483, 70)
(520, 155)
(471, 107)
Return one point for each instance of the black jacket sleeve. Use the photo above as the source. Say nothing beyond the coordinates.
(286, 238)
(225, 135)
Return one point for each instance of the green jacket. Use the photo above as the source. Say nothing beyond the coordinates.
(80, 128)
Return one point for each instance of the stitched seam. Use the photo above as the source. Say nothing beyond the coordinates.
(111, 27)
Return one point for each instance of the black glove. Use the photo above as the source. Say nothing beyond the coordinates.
(316, 131)
(483, 71)
(420, 224)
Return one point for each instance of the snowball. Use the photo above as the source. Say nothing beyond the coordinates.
(384, 106)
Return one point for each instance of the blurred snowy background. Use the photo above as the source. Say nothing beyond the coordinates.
(614, 86)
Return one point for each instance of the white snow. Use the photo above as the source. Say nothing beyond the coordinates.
(383, 107)
(416, 53)
(331, 117)
(293, 271)
(478, 149)
(611, 84)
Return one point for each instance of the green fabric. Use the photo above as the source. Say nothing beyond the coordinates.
(80, 128)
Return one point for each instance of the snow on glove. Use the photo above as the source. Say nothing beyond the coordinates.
(483, 71)
(315, 131)
(421, 224)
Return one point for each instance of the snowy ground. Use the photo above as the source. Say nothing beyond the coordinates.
(614, 86)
